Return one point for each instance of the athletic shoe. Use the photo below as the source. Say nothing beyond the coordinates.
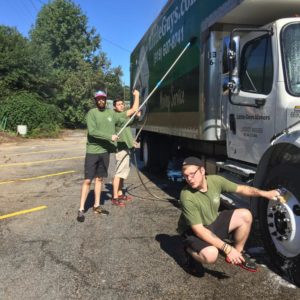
(247, 265)
(125, 198)
(80, 216)
(117, 202)
(100, 210)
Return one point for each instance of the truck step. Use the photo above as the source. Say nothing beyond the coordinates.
(236, 169)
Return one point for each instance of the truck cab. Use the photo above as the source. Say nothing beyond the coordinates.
(232, 99)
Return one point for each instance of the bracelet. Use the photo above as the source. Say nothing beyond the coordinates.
(223, 247)
(226, 248)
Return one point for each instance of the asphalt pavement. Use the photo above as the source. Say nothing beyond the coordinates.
(133, 253)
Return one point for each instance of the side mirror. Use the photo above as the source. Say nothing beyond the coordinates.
(233, 55)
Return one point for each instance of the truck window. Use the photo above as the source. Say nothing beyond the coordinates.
(257, 66)
(290, 41)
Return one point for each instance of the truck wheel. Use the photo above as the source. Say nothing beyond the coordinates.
(150, 153)
(280, 223)
(155, 153)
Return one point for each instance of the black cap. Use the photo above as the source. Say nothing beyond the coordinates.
(192, 160)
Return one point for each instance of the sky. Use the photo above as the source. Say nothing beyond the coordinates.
(120, 23)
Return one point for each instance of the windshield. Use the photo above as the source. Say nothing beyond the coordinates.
(290, 40)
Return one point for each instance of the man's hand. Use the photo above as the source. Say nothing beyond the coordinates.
(272, 195)
(136, 93)
(114, 137)
(136, 144)
(235, 257)
(255, 192)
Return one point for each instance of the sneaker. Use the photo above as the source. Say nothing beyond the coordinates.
(247, 265)
(80, 216)
(125, 198)
(100, 210)
(118, 202)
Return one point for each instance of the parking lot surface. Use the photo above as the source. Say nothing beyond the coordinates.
(133, 253)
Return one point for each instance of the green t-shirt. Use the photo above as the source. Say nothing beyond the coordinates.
(202, 208)
(101, 127)
(125, 140)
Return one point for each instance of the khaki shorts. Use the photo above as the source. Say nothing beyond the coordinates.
(123, 163)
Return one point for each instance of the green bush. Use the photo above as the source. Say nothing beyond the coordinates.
(27, 109)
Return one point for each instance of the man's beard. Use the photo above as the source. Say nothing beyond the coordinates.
(101, 108)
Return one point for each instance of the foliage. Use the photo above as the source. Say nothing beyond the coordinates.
(60, 64)
(22, 67)
(27, 109)
(45, 131)
(62, 28)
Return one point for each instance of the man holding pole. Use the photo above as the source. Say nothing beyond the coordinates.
(124, 145)
(101, 140)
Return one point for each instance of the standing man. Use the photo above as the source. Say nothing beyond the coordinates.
(124, 145)
(203, 227)
(101, 140)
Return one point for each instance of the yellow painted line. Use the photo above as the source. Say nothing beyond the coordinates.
(22, 212)
(4, 182)
(47, 151)
(39, 161)
(37, 177)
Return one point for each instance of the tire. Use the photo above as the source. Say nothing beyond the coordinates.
(280, 223)
(155, 153)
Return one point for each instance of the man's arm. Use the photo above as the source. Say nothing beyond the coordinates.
(246, 190)
(135, 105)
(96, 132)
(209, 237)
(206, 235)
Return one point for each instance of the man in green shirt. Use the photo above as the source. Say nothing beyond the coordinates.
(124, 145)
(203, 227)
(101, 140)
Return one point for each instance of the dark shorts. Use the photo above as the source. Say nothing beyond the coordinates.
(220, 227)
(96, 165)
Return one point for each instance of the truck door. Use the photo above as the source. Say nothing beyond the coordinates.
(250, 127)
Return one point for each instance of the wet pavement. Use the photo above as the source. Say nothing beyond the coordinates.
(133, 253)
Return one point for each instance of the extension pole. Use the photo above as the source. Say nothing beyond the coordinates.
(159, 83)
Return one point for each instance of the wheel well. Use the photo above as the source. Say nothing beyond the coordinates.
(283, 153)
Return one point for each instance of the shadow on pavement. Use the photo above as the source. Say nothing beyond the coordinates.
(105, 196)
(173, 246)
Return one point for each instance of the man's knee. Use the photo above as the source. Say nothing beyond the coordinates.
(87, 182)
(98, 179)
(246, 215)
(209, 255)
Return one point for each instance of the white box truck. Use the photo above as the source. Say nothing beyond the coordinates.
(233, 99)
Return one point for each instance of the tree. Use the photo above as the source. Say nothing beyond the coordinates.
(79, 67)
(62, 28)
(22, 67)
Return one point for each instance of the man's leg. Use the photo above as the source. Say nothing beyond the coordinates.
(116, 186)
(84, 192)
(240, 224)
(120, 190)
(97, 190)
(122, 172)
(207, 255)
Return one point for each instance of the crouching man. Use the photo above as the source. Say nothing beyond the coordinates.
(204, 228)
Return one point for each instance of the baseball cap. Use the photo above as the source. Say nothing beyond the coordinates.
(192, 160)
(100, 94)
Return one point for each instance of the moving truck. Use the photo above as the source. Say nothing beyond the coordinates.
(233, 99)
